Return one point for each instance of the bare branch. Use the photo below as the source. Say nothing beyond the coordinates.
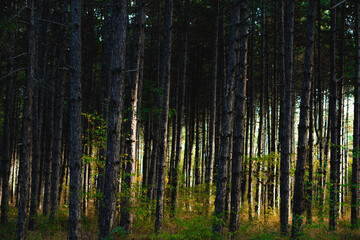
(338, 4)
(17, 70)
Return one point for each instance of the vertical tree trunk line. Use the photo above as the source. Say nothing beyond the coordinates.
(24, 171)
(227, 123)
(239, 120)
(356, 137)
(165, 83)
(75, 122)
(305, 111)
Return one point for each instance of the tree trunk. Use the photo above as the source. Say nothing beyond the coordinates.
(75, 122)
(180, 113)
(227, 123)
(305, 107)
(8, 129)
(334, 158)
(128, 201)
(165, 82)
(58, 124)
(285, 110)
(24, 172)
(356, 149)
(239, 121)
(118, 25)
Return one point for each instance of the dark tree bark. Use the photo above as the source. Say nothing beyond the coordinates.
(227, 123)
(165, 83)
(239, 120)
(118, 25)
(8, 129)
(334, 154)
(197, 145)
(75, 122)
(285, 112)
(305, 108)
(320, 116)
(24, 172)
(37, 124)
(128, 201)
(356, 149)
(58, 122)
(309, 184)
(261, 138)
(180, 113)
(212, 126)
(251, 107)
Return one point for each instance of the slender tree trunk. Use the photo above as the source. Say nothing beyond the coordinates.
(8, 128)
(320, 116)
(305, 108)
(285, 115)
(212, 127)
(251, 108)
(128, 201)
(165, 80)
(118, 25)
(334, 158)
(261, 138)
(24, 172)
(310, 185)
(75, 122)
(58, 124)
(227, 123)
(239, 120)
(197, 145)
(356, 149)
(180, 113)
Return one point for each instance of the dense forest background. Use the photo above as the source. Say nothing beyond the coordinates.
(179, 119)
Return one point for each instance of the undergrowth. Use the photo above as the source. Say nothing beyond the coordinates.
(192, 220)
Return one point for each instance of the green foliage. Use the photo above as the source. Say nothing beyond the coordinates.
(96, 131)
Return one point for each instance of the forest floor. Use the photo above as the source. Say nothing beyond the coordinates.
(193, 221)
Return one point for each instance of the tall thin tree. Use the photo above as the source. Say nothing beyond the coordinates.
(75, 122)
(299, 199)
(356, 149)
(239, 120)
(165, 83)
(334, 154)
(227, 123)
(118, 24)
(24, 172)
(285, 113)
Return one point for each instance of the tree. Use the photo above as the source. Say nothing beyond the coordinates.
(118, 23)
(227, 123)
(132, 93)
(239, 120)
(334, 155)
(165, 83)
(285, 62)
(75, 122)
(8, 128)
(212, 125)
(58, 124)
(356, 149)
(24, 171)
(305, 108)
